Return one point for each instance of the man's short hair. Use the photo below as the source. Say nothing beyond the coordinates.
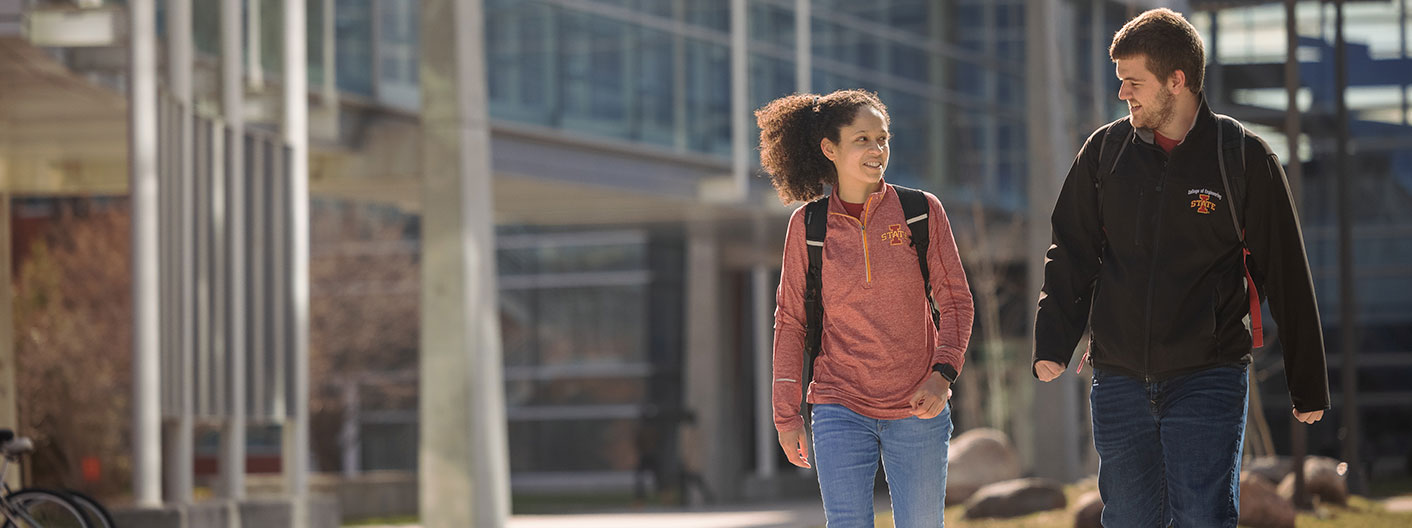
(1169, 42)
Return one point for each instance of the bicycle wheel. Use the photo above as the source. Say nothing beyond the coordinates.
(38, 508)
(93, 511)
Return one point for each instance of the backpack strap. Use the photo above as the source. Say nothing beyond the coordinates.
(915, 209)
(1230, 136)
(1231, 155)
(1116, 139)
(816, 224)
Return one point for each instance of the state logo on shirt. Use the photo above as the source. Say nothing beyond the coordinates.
(895, 235)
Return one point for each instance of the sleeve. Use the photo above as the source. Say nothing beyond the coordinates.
(1071, 265)
(1280, 268)
(787, 387)
(950, 290)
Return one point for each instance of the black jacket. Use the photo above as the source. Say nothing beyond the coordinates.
(1165, 294)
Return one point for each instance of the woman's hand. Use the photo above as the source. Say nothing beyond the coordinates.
(796, 447)
(931, 398)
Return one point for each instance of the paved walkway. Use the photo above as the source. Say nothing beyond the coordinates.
(778, 515)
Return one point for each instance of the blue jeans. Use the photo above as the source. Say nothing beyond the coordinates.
(846, 450)
(1169, 451)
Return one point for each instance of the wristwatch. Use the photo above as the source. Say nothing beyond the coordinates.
(947, 371)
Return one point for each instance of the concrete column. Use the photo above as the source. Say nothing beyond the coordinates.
(766, 439)
(232, 105)
(707, 451)
(1050, 445)
(179, 441)
(803, 47)
(142, 164)
(463, 456)
(296, 135)
(740, 98)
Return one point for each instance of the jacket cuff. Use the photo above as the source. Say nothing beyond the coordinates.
(792, 424)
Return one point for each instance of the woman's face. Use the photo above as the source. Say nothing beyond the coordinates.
(861, 152)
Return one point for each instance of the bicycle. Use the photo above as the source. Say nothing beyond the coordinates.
(33, 507)
(93, 511)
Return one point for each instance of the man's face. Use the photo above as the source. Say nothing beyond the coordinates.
(1150, 99)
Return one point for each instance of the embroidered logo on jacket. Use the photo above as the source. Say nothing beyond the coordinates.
(1203, 202)
(895, 235)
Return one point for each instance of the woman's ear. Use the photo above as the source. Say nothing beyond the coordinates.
(830, 150)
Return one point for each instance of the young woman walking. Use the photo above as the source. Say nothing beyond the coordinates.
(885, 362)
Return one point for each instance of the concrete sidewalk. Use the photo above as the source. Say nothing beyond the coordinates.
(806, 514)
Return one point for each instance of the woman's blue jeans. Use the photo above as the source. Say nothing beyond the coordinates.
(1169, 451)
(847, 446)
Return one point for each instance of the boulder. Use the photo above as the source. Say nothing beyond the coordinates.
(1261, 506)
(1089, 511)
(1014, 498)
(977, 458)
(1272, 468)
(1323, 480)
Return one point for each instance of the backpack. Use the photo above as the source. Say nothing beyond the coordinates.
(1230, 135)
(816, 214)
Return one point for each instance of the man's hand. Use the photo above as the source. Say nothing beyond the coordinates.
(1308, 417)
(1048, 370)
(796, 447)
(931, 398)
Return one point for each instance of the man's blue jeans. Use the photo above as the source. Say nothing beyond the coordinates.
(846, 450)
(1169, 451)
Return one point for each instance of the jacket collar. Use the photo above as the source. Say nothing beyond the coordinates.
(1205, 119)
(869, 204)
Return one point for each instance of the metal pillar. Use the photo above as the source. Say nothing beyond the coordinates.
(232, 105)
(1348, 313)
(1097, 72)
(740, 99)
(255, 72)
(1298, 433)
(803, 47)
(9, 392)
(463, 456)
(296, 136)
(142, 162)
(179, 441)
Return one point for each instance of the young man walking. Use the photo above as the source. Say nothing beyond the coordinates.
(1151, 234)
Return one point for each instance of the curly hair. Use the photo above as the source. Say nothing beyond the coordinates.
(790, 130)
(1169, 42)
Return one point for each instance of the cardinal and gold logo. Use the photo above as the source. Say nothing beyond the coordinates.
(1205, 201)
(895, 235)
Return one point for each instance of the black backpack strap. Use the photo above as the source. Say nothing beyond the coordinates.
(1230, 134)
(1230, 153)
(816, 224)
(1116, 139)
(915, 209)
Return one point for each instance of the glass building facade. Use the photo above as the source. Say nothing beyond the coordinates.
(1249, 44)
